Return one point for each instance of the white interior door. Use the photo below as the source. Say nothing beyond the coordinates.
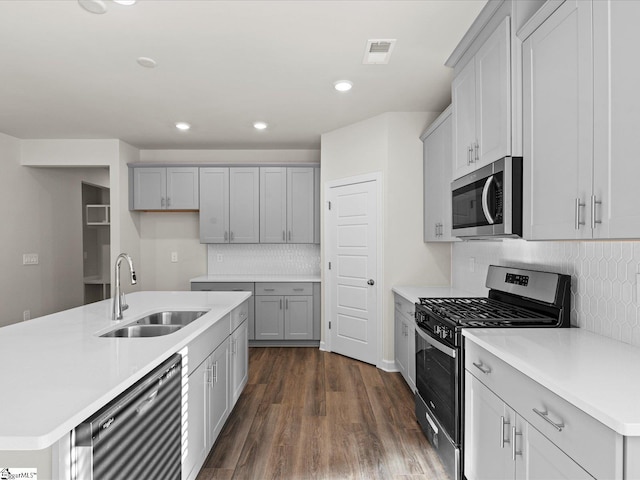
(352, 222)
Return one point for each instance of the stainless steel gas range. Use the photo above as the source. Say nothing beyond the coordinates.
(517, 298)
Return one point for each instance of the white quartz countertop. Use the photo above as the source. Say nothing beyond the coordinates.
(599, 375)
(256, 278)
(413, 293)
(57, 371)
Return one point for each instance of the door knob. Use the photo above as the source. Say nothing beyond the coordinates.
(371, 282)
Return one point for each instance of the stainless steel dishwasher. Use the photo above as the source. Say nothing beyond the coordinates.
(137, 435)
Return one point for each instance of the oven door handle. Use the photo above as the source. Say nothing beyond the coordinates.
(485, 200)
(436, 344)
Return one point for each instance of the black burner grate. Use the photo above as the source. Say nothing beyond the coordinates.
(475, 311)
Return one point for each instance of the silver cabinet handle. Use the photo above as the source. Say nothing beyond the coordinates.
(480, 366)
(289, 235)
(231, 236)
(476, 147)
(209, 372)
(168, 202)
(594, 202)
(545, 416)
(485, 200)
(286, 304)
(398, 304)
(215, 372)
(298, 289)
(578, 205)
(502, 424)
(283, 236)
(226, 236)
(280, 304)
(269, 289)
(162, 202)
(435, 229)
(514, 450)
(469, 152)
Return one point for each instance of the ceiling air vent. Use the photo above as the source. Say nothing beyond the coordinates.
(378, 51)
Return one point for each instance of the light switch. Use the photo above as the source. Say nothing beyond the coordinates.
(30, 259)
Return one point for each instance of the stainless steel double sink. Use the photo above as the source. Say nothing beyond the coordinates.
(156, 324)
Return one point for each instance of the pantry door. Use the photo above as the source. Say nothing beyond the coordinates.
(353, 289)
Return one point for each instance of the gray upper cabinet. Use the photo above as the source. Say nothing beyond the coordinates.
(214, 205)
(287, 205)
(244, 205)
(229, 205)
(273, 205)
(160, 188)
(316, 205)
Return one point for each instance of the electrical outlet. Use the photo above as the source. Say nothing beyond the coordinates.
(219, 258)
(472, 264)
(174, 257)
(26, 315)
(30, 259)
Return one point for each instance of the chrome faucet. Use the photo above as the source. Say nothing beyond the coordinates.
(119, 304)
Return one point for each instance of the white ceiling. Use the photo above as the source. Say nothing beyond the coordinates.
(67, 73)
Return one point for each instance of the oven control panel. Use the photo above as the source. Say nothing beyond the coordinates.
(514, 279)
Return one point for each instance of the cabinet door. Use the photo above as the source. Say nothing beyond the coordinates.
(196, 438)
(487, 450)
(316, 206)
(400, 343)
(218, 391)
(539, 459)
(411, 354)
(239, 361)
(269, 320)
(273, 204)
(437, 182)
(616, 119)
(300, 205)
(493, 102)
(558, 125)
(463, 95)
(244, 205)
(214, 205)
(182, 188)
(298, 317)
(149, 188)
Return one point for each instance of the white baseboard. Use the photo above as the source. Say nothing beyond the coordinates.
(323, 347)
(388, 366)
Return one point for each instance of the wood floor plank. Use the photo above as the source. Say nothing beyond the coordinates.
(308, 414)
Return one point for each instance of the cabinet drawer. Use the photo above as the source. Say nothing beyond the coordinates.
(222, 287)
(284, 288)
(404, 306)
(594, 446)
(239, 315)
(206, 343)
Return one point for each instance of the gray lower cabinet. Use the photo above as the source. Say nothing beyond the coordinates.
(284, 311)
(404, 340)
(232, 287)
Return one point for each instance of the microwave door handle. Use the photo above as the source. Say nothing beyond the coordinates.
(485, 200)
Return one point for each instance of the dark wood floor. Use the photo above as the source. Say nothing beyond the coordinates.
(309, 414)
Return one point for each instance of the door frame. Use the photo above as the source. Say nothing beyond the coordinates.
(328, 238)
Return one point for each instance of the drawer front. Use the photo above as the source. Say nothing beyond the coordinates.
(284, 288)
(239, 315)
(222, 287)
(405, 307)
(206, 343)
(594, 446)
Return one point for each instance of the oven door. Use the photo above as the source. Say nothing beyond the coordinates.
(437, 380)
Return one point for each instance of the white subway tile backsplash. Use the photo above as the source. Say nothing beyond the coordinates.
(603, 278)
(263, 259)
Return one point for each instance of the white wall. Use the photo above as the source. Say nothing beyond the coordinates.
(390, 144)
(41, 211)
(230, 156)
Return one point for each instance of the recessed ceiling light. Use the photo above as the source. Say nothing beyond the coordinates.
(183, 126)
(125, 2)
(343, 85)
(146, 62)
(93, 6)
(259, 125)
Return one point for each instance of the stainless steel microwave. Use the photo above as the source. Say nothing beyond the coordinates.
(488, 202)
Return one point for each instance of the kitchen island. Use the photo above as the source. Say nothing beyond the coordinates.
(57, 370)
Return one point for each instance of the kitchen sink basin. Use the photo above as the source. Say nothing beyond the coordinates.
(156, 324)
(170, 318)
(133, 331)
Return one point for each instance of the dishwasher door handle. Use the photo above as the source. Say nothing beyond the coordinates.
(147, 402)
